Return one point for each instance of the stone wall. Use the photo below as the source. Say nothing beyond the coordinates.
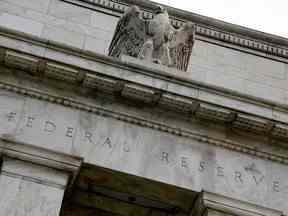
(240, 71)
(59, 21)
(195, 162)
(92, 30)
(59, 104)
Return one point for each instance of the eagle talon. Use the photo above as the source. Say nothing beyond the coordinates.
(157, 61)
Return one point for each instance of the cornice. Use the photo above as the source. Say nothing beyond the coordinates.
(140, 91)
(194, 107)
(41, 156)
(36, 46)
(268, 44)
(132, 119)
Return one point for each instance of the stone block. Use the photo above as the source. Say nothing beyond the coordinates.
(69, 12)
(104, 21)
(88, 30)
(45, 18)
(235, 104)
(229, 68)
(280, 115)
(10, 110)
(28, 189)
(9, 7)
(183, 90)
(264, 91)
(225, 80)
(38, 5)
(44, 175)
(20, 197)
(34, 15)
(21, 46)
(268, 80)
(61, 35)
(21, 24)
(96, 45)
(21, 61)
(264, 66)
(39, 126)
(210, 204)
(196, 72)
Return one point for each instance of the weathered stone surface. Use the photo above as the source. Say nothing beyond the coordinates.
(21, 24)
(38, 5)
(210, 204)
(28, 189)
(104, 21)
(23, 197)
(69, 12)
(140, 147)
(213, 64)
(148, 153)
(239, 71)
(64, 36)
(96, 45)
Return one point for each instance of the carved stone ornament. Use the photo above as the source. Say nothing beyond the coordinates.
(154, 40)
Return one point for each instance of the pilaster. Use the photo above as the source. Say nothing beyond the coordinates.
(210, 204)
(33, 180)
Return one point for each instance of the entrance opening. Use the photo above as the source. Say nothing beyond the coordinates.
(102, 192)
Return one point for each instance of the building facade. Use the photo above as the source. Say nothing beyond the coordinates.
(83, 133)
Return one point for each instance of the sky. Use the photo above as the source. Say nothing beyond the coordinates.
(263, 15)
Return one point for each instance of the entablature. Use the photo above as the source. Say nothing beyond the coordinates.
(132, 79)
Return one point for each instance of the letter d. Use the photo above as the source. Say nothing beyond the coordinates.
(49, 127)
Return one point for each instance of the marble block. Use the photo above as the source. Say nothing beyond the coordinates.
(210, 204)
(27, 189)
(21, 24)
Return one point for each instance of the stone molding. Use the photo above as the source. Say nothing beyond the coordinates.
(211, 201)
(40, 157)
(38, 65)
(146, 94)
(31, 172)
(224, 143)
(269, 45)
(35, 46)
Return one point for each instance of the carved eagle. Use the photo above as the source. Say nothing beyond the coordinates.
(154, 40)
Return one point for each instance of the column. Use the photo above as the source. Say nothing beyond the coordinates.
(33, 180)
(210, 204)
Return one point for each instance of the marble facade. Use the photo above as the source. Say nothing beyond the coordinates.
(219, 130)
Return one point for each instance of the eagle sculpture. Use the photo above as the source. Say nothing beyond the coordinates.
(154, 40)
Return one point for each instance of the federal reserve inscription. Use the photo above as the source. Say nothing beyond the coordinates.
(144, 152)
(248, 173)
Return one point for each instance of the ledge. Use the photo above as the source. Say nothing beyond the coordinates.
(229, 206)
(41, 156)
(36, 46)
(130, 78)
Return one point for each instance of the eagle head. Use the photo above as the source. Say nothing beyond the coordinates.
(159, 9)
(135, 11)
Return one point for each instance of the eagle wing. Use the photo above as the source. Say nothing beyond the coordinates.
(129, 35)
(181, 45)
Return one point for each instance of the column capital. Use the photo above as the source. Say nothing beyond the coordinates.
(211, 202)
(41, 156)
